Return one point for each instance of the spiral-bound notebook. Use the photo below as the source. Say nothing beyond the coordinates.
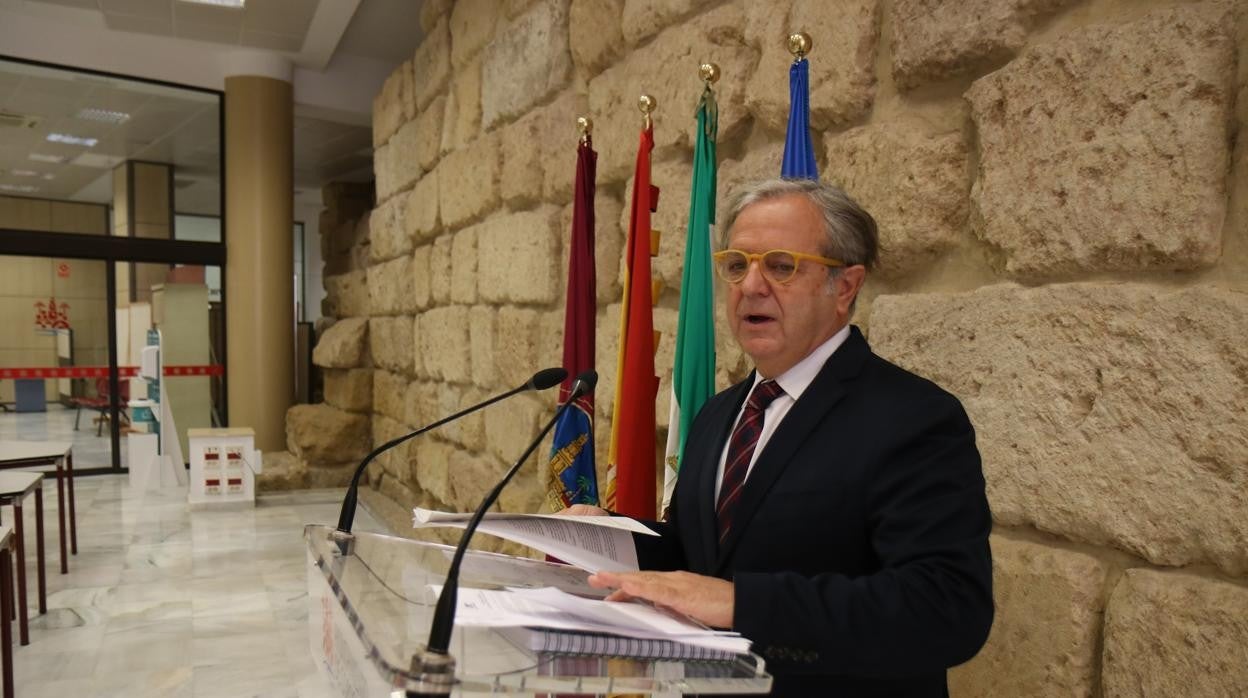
(605, 645)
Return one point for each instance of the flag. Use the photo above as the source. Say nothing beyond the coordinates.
(571, 477)
(631, 460)
(693, 374)
(799, 152)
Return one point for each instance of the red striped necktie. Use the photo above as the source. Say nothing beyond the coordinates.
(741, 450)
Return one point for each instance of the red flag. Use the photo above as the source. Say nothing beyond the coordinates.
(632, 459)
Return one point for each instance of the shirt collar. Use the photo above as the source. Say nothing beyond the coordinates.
(797, 379)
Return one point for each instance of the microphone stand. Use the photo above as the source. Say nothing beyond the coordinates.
(433, 662)
(343, 537)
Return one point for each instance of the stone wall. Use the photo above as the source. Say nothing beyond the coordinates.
(1064, 215)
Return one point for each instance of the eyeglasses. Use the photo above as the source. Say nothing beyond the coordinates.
(779, 266)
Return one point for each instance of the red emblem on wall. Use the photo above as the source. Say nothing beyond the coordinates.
(51, 315)
(62, 270)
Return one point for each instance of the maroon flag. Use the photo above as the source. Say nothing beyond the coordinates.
(572, 479)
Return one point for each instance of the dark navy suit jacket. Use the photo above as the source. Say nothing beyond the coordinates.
(859, 551)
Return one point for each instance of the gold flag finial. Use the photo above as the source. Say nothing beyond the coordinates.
(709, 73)
(584, 126)
(799, 45)
(647, 104)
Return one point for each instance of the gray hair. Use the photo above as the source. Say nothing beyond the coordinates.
(850, 232)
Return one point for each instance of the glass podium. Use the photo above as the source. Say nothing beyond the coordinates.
(370, 609)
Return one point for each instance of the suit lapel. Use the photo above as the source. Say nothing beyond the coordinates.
(827, 389)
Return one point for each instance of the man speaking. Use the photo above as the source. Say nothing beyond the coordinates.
(831, 506)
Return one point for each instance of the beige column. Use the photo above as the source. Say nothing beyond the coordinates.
(259, 243)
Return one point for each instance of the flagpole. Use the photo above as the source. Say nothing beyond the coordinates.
(693, 370)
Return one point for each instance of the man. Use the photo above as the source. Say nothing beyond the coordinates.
(837, 516)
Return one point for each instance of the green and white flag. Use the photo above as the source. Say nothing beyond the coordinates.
(693, 376)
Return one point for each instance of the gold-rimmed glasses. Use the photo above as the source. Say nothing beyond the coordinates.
(779, 266)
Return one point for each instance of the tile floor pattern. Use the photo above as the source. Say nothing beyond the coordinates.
(163, 601)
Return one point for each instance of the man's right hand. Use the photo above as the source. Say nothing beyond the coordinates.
(583, 510)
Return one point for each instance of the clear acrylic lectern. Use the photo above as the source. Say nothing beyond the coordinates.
(370, 608)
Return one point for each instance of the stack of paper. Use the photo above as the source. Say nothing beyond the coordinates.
(550, 609)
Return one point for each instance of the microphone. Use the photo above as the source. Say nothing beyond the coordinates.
(543, 379)
(435, 666)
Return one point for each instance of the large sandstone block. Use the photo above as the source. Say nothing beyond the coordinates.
(1101, 409)
(402, 164)
(462, 122)
(594, 32)
(1175, 634)
(668, 70)
(350, 389)
(421, 278)
(482, 322)
(388, 230)
(392, 106)
(323, 434)
(468, 181)
(430, 467)
(526, 63)
(935, 39)
(541, 160)
(643, 19)
(1107, 149)
(464, 266)
(508, 431)
(440, 269)
(758, 163)
(346, 294)
(472, 26)
(433, 10)
(1045, 633)
(424, 146)
(472, 475)
(389, 393)
(391, 343)
(431, 66)
(395, 459)
(517, 344)
(466, 432)
(342, 345)
(842, 61)
(915, 185)
(517, 255)
(421, 211)
(390, 287)
(443, 342)
(420, 404)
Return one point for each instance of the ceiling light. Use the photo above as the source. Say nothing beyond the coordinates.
(232, 4)
(72, 140)
(107, 116)
(24, 173)
(19, 188)
(49, 176)
(40, 157)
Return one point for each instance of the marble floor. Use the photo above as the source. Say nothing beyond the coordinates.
(57, 424)
(162, 601)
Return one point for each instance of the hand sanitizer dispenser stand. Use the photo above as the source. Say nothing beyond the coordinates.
(155, 458)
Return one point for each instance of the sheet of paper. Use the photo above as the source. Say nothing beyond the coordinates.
(429, 516)
(591, 547)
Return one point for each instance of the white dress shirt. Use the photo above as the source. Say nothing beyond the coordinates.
(795, 381)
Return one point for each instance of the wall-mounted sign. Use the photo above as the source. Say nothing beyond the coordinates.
(51, 315)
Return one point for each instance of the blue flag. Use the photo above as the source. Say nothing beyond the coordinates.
(799, 152)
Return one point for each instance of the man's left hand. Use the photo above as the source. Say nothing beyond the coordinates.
(705, 599)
